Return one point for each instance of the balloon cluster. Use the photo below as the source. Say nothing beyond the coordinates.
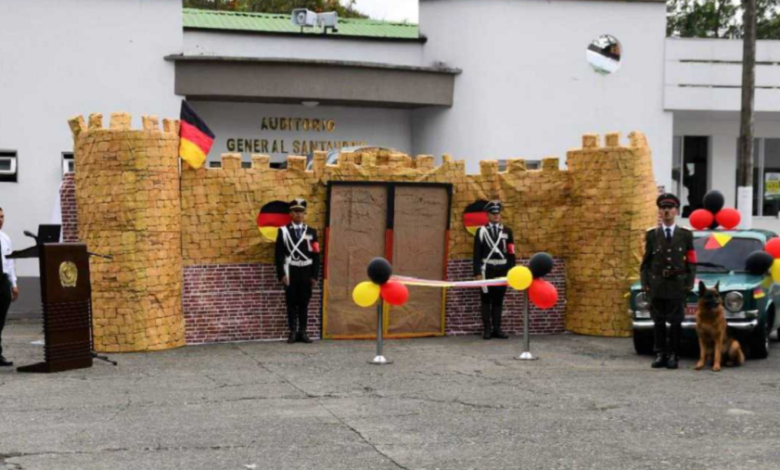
(761, 261)
(542, 293)
(367, 293)
(714, 214)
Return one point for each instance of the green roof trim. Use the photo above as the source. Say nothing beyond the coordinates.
(281, 24)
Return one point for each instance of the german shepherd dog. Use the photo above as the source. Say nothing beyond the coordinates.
(714, 341)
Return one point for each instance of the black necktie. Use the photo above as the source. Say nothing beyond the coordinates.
(668, 234)
(298, 232)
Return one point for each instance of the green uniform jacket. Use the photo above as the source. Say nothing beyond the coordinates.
(668, 268)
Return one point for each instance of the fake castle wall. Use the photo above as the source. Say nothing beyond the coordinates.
(128, 203)
(591, 218)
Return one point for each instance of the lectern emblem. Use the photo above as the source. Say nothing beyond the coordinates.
(68, 274)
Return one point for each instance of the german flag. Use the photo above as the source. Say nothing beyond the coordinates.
(475, 216)
(273, 215)
(195, 137)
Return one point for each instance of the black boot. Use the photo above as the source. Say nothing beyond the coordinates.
(497, 333)
(303, 337)
(292, 337)
(5, 363)
(486, 321)
(660, 361)
(672, 362)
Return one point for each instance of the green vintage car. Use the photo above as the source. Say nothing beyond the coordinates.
(749, 300)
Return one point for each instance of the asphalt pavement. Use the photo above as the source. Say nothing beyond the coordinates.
(446, 403)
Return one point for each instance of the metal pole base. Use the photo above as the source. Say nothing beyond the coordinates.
(380, 361)
(527, 356)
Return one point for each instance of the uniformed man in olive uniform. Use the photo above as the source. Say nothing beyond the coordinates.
(297, 267)
(494, 256)
(668, 273)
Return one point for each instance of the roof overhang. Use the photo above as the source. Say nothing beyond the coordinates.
(327, 82)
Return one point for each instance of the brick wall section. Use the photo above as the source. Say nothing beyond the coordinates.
(463, 315)
(239, 302)
(70, 216)
(242, 302)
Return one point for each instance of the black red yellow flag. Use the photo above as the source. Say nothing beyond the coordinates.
(475, 216)
(273, 215)
(195, 137)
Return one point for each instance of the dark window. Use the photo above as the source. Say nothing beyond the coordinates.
(68, 163)
(9, 169)
(689, 171)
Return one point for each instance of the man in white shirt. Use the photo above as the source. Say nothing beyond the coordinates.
(9, 291)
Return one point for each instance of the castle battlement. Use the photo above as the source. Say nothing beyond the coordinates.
(134, 202)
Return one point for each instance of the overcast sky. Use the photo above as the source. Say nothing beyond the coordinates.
(389, 10)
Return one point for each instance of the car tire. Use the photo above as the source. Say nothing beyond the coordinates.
(643, 343)
(759, 341)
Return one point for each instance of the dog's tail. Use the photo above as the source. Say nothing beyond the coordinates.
(734, 351)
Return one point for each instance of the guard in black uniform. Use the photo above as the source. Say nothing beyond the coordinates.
(494, 256)
(668, 273)
(297, 267)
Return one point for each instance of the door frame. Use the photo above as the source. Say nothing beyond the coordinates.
(390, 222)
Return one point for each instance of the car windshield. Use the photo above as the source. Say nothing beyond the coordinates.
(718, 252)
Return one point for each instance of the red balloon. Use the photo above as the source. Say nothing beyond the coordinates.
(773, 247)
(543, 294)
(728, 218)
(700, 219)
(394, 292)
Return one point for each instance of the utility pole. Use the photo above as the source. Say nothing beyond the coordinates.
(745, 159)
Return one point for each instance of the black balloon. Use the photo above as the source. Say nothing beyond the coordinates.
(379, 270)
(541, 264)
(758, 262)
(713, 201)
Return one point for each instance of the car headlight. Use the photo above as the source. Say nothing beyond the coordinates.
(642, 302)
(733, 301)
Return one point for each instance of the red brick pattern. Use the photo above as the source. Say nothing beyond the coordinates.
(463, 305)
(70, 219)
(238, 302)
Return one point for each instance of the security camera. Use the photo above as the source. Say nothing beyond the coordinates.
(303, 17)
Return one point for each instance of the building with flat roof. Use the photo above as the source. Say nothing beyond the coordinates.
(475, 79)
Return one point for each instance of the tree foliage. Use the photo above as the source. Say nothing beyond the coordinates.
(719, 19)
(277, 6)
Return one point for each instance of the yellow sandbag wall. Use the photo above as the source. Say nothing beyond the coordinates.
(128, 198)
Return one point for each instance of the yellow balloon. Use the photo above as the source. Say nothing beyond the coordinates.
(519, 278)
(775, 271)
(365, 294)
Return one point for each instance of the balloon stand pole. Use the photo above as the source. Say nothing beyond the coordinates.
(380, 359)
(526, 354)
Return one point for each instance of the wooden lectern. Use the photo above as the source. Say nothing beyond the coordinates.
(67, 297)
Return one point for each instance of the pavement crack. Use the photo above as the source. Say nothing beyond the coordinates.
(362, 437)
(456, 401)
(316, 399)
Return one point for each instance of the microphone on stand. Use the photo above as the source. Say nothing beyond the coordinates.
(31, 235)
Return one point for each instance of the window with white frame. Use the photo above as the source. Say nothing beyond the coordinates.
(766, 177)
(8, 166)
(68, 163)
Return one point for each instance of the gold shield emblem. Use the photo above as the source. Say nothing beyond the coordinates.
(68, 274)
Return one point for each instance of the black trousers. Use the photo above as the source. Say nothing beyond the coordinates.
(492, 307)
(5, 304)
(673, 312)
(297, 295)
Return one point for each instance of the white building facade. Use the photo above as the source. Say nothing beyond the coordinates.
(477, 79)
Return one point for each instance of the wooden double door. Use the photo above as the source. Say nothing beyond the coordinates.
(406, 223)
